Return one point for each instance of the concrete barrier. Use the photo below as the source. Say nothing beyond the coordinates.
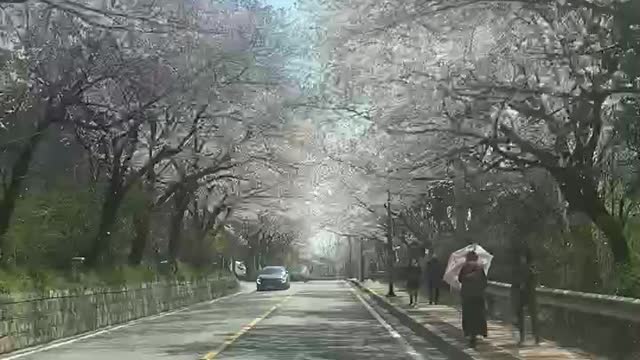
(28, 320)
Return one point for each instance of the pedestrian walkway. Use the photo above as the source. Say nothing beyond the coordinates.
(446, 322)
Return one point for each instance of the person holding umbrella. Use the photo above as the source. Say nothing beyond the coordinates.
(473, 282)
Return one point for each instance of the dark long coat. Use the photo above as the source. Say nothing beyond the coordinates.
(474, 282)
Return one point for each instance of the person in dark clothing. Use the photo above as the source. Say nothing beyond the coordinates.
(474, 283)
(523, 292)
(413, 282)
(435, 271)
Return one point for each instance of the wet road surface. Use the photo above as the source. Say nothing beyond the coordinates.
(315, 320)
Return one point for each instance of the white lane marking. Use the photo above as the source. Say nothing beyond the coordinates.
(474, 354)
(454, 342)
(70, 340)
(457, 344)
(394, 334)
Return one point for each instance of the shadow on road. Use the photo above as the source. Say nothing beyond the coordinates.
(322, 323)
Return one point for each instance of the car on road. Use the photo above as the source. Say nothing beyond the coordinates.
(273, 278)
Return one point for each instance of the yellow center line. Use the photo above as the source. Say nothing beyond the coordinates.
(212, 355)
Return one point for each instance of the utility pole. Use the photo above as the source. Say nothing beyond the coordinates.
(361, 259)
(390, 255)
(350, 269)
(461, 209)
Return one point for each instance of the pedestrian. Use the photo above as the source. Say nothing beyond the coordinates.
(435, 271)
(413, 282)
(523, 292)
(474, 283)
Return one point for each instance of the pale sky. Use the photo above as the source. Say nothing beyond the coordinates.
(318, 241)
(280, 3)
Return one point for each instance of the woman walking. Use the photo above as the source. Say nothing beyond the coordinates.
(413, 282)
(474, 283)
(523, 292)
(435, 271)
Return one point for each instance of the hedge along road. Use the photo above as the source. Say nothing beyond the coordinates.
(316, 320)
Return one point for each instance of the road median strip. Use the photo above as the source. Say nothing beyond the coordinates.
(233, 338)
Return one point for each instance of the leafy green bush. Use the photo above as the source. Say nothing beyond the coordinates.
(124, 231)
(626, 281)
(50, 228)
(187, 272)
(125, 275)
(13, 281)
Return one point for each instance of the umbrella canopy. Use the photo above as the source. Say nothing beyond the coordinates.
(457, 259)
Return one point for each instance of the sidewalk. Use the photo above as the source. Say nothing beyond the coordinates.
(445, 322)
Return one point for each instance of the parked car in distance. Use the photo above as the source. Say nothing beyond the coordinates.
(241, 269)
(238, 268)
(273, 278)
(300, 273)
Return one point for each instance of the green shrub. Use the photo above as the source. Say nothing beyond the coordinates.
(626, 281)
(48, 229)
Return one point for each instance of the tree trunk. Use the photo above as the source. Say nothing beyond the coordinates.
(206, 226)
(251, 264)
(586, 258)
(582, 196)
(612, 229)
(200, 252)
(101, 247)
(18, 175)
(176, 224)
(141, 222)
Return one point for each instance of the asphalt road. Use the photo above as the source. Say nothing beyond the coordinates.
(315, 320)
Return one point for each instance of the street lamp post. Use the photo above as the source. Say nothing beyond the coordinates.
(361, 259)
(350, 270)
(390, 252)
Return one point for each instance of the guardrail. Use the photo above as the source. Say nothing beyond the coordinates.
(620, 307)
(603, 324)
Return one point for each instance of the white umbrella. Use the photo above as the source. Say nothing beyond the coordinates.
(457, 259)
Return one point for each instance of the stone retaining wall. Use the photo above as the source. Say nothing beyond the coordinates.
(34, 320)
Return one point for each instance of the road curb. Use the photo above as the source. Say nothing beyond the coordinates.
(438, 339)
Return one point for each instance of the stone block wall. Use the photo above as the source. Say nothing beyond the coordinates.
(28, 320)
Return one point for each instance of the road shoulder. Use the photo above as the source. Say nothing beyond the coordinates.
(65, 342)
